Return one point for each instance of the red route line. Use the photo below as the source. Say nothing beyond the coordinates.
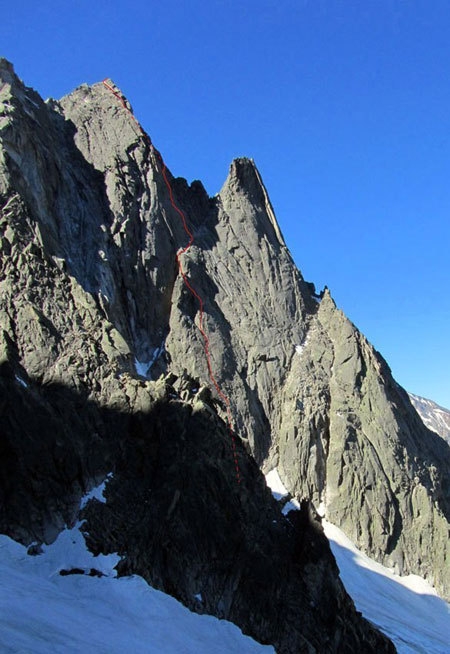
(181, 251)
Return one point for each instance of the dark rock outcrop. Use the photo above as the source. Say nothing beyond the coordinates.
(174, 510)
(221, 547)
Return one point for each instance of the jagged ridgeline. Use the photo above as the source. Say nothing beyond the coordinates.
(93, 308)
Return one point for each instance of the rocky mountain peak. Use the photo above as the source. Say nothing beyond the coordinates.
(103, 352)
(7, 74)
(14, 93)
(244, 181)
(102, 110)
(243, 177)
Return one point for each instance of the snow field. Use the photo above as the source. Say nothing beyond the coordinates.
(407, 609)
(42, 611)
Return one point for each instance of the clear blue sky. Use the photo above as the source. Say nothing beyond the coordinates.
(343, 104)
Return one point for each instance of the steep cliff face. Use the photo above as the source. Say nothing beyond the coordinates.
(87, 277)
(238, 260)
(89, 285)
(351, 441)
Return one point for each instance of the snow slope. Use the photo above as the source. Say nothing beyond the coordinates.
(42, 611)
(407, 609)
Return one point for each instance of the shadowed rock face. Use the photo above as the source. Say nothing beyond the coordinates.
(174, 510)
(89, 283)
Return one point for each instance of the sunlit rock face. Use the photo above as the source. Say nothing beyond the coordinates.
(93, 310)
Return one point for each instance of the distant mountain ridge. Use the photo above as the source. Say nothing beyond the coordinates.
(435, 417)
